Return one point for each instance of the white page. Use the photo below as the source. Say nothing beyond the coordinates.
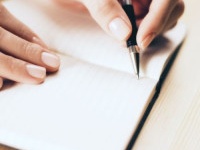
(81, 107)
(93, 102)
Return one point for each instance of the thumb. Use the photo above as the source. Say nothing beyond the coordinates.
(154, 22)
(110, 16)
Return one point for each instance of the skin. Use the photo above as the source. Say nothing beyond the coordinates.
(22, 52)
(152, 16)
(25, 58)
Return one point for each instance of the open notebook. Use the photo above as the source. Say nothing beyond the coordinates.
(94, 101)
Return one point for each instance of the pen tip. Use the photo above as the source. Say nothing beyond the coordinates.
(138, 76)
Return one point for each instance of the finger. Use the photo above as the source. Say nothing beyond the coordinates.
(74, 5)
(154, 21)
(20, 71)
(1, 82)
(27, 51)
(10, 23)
(174, 16)
(110, 16)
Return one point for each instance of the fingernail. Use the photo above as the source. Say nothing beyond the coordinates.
(40, 42)
(50, 60)
(119, 29)
(36, 71)
(145, 43)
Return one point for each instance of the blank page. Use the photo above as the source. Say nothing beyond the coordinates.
(83, 106)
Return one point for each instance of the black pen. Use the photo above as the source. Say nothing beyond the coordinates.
(131, 42)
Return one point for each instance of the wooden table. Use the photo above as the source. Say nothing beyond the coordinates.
(174, 122)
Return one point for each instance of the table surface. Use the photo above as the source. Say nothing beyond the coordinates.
(174, 120)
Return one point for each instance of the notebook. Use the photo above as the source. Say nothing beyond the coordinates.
(94, 101)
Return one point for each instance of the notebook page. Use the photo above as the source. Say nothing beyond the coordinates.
(76, 34)
(83, 106)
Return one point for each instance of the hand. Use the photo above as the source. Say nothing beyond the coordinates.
(23, 56)
(153, 17)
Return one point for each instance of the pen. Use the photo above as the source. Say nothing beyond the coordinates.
(131, 42)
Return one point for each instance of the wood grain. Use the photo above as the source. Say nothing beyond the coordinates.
(174, 121)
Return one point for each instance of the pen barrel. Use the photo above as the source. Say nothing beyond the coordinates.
(130, 13)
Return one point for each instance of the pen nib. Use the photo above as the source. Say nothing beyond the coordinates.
(133, 50)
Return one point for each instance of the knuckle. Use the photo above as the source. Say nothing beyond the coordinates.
(31, 50)
(10, 65)
(13, 65)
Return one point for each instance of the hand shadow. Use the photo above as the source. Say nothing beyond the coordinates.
(7, 84)
(159, 46)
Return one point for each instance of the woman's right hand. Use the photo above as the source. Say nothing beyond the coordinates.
(153, 17)
(23, 55)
